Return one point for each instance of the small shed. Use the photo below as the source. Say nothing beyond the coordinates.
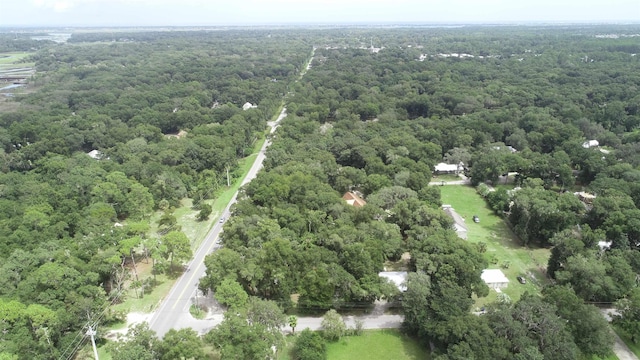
(494, 278)
(399, 278)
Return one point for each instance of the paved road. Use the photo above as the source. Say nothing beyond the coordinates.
(621, 349)
(369, 322)
(173, 312)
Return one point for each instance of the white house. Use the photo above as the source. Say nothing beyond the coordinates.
(590, 143)
(494, 278)
(444, 168)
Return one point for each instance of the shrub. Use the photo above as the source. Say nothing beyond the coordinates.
(309, 346)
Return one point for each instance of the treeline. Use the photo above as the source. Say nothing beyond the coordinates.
(162, 120)
(21, 41)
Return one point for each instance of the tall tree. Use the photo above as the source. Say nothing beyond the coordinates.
(629, 318)
(178, 247)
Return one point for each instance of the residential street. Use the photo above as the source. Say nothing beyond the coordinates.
(173, 312)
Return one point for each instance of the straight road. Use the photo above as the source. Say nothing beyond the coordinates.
(173, 312)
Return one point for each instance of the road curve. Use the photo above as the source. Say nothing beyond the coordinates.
(173, 312)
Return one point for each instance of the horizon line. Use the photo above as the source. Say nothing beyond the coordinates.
(339, 24)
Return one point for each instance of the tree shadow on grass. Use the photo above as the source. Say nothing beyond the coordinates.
(413, 348)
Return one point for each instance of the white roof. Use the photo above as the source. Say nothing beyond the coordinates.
(605, 245)
(248, 106)
(95, 154)
(590, 143)
(493, 276)
(446, 167)
(399, 278)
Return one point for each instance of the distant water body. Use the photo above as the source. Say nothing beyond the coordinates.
(12, 86)
(56, 37)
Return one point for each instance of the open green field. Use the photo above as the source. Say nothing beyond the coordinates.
(502, 245)
(445, 178)
(10, 61)
(13, 57)
(377, 345)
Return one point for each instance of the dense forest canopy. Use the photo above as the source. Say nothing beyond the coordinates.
(376, 110)
(163, 118)
(374, 116)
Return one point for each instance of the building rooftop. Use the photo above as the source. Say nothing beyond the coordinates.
(353, 199)
(492, 276)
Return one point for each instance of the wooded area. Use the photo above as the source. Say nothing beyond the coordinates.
(164, 110)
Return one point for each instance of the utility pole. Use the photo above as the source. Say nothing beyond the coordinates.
(228, 180)
(92, 333)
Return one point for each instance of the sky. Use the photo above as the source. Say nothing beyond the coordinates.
(261, 12)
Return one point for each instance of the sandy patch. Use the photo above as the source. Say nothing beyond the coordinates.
(133, 318)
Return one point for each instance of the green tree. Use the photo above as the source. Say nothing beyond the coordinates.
(236, 338)
(266, 313)
(205, 211)
(139, 343)
(333, 326)
(183, 344)
(590, 330)
(292, 320)
(222, 264)
(139, 202)
(178, 247)
(231, 294)
(629, 318)
(309, 345)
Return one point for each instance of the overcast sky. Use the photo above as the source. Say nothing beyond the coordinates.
(256, 12)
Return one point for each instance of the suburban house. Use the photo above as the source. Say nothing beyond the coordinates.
(444, 168)
(494, 278)
(354, 199)
(399, 278)
(458, 222)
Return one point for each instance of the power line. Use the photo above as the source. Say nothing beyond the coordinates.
(89, 324)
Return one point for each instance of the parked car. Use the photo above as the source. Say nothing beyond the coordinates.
(522, 280)
(476, 219)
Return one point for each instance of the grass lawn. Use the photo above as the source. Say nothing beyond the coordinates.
(502, 245)
(86, 352)
(445, 177)
(609, 357)
(376, 345)
(12, 57)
